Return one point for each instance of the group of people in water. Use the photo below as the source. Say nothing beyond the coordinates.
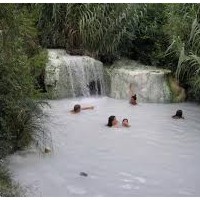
(113, 122)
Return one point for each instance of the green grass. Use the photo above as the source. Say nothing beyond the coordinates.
(7, 187)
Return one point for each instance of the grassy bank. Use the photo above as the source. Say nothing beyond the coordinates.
(7, 187)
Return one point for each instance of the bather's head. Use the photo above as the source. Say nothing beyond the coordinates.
(77, 108)
(133, 100)
(134, 97)
(178, 115)
(112, 121)
(125, 123)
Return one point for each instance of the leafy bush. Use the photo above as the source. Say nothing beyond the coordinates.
(19, 50)
(184, 35)
(93, 29)
(7, 187)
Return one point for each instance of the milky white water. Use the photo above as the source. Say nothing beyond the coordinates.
(156, 156)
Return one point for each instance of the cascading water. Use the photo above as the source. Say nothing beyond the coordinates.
(72, 76)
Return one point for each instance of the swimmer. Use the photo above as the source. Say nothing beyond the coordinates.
(178, 115)
(112, 122)
(125, 123)
(133, 100)
(78, 108)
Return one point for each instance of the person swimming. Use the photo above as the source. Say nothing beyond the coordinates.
(112, 121)
(125, 123)
(133, 100)
(178, 115)
(78, 108)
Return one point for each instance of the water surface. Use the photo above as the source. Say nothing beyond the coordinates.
(156, 156)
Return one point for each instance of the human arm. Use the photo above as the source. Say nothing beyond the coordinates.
(88, 107)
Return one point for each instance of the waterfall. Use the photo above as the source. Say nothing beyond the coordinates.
(72, 76)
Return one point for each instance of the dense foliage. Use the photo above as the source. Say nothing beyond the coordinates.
(95, 29)
(21, 59)
(183, 30)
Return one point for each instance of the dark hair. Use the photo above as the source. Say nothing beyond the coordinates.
(179, 113)
(124, 120)
(110, 120)
(77, 107)
(134, 97)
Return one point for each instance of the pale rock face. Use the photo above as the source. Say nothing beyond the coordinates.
(149, 83)
(71, 76)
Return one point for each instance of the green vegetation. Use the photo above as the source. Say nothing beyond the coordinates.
(94, 29)
(164, 35)
(21, 59)
(183, 30)
(7, 187)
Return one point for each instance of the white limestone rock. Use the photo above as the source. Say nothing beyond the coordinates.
(149, 83)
